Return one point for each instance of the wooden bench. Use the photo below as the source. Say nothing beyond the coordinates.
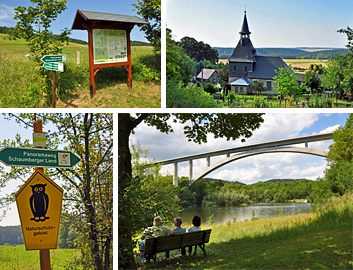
(171, 242)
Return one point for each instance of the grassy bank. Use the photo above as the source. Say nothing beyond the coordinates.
(23, 84)
(320, 240)
(17, 258)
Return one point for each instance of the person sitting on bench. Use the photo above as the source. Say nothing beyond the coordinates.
(196, 221)
(156, 230)
(177, 222)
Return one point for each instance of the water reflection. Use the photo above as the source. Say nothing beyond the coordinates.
(223, 214)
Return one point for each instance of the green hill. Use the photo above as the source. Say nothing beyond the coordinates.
(287, 53)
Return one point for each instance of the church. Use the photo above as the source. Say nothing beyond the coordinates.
(245, 66)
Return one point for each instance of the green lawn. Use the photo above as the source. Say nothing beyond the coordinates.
(305, 241)
(17, 258)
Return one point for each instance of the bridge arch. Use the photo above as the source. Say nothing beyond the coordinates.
(301, 150)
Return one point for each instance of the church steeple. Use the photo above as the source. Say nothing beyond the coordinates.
(245, 32)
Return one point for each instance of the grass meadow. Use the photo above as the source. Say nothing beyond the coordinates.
(18, 258)
(21, 84)
(319, 240)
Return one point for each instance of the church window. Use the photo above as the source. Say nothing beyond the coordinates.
(234, 68)
(245, 69)
(269, 85)
(241, 90)
(236, 89)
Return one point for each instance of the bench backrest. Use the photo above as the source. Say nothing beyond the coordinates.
(171, 242)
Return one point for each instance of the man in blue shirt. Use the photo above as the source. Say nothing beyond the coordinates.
(177, 222)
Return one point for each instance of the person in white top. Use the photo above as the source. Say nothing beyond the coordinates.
(196, 221)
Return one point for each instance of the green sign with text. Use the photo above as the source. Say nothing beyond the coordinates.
(33, 157)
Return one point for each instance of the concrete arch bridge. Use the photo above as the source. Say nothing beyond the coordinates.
(241, 152)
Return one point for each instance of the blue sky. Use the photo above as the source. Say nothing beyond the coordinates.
(249, 170)
(8, 130)
(273, 23)
(66, 18)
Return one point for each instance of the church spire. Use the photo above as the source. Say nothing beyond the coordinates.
(245, 27)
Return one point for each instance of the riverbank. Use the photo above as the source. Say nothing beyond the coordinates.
(304, 241)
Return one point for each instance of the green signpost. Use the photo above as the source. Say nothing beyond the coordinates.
(54, 66)
(33, 157)
(54, 58)
(50, 63)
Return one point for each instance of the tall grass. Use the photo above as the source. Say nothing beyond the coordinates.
(23, 84)
(17, 257)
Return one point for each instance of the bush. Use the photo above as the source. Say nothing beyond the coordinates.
(179, 96)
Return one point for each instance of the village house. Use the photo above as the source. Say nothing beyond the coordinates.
(208, 75)
(246, 67)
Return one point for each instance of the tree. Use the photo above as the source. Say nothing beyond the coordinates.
(88, 187)
(338, 176)
(349, 33)
(198, 50)
(339, 74)
(41, 42)
(179, 66)
(258, 86)
(150, 10)
(287, 82)
(230, 126)
(222, 78)
(312, 80)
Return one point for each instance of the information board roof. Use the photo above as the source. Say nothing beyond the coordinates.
(83, 16)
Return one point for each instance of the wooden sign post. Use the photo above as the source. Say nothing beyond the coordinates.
(108, 40)
(51, 63)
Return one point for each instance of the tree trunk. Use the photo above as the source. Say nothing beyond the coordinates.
(88, 202)
(125, 243)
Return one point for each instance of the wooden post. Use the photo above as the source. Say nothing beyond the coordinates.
(54, 84)
(91, 62)
(44, 255)
(129, 77)
(78, 58)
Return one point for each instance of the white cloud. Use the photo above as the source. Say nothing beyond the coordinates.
(6, 13)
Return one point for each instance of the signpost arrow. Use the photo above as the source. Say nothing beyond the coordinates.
(54, 66)
(34, 157)
(54, 58)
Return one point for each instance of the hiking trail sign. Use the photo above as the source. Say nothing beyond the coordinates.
(35, 157)
(54, 58)
(39, 207)
(54, 66)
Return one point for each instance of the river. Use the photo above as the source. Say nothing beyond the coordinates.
(222, 214)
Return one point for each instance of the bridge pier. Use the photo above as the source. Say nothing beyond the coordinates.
(190, 169)
(208, 159)
(175, 177)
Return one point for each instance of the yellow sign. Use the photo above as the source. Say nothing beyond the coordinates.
(39, 206)
(39, 139)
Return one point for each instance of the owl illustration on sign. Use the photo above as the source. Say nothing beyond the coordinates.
(39, 202)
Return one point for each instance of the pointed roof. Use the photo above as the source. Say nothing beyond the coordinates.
(245, 26)
(84, 16)
(241, 82)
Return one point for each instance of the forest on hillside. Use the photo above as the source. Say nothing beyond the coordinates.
(287, 53)
(206, 192)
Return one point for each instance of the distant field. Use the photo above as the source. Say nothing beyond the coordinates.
(304, 63)
(300, 63)
(224, 61)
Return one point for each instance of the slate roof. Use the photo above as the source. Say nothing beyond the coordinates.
(243, 52)
(83, 16)
(241, 82)
(265, 67)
